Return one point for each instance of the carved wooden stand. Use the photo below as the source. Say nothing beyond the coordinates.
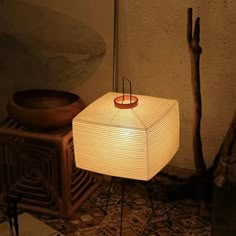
(39, 167)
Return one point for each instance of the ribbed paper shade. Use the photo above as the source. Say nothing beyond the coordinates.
(132, 143)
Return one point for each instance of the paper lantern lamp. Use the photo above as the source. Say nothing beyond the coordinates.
(134, 143)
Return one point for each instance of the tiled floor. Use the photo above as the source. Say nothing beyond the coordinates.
(172, 217)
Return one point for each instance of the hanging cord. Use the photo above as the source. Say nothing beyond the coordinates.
(115, 44)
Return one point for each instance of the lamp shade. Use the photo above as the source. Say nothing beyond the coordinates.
(133, 143)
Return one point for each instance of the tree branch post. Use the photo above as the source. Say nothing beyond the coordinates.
(195, 50)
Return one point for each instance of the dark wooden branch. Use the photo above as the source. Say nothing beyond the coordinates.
(196, 34)
(195, 52)
(189, 25)
(200, 185)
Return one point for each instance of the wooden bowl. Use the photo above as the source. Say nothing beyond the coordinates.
(44, 109)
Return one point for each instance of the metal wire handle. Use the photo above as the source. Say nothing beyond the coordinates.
(130, 88)
(120, 100)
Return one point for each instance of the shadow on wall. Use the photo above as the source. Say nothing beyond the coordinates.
(41, 48)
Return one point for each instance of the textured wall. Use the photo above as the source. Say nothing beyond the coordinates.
(153, 54)
(56, 44)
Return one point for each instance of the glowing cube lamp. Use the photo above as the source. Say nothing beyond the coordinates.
(126, 136)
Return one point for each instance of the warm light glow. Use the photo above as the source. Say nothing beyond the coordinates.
(133, 143)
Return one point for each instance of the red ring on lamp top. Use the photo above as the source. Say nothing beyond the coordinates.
(126, 101)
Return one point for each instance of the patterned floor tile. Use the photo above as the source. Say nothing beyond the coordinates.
(170, 217)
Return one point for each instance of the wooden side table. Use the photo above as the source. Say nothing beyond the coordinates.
(39, 167)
